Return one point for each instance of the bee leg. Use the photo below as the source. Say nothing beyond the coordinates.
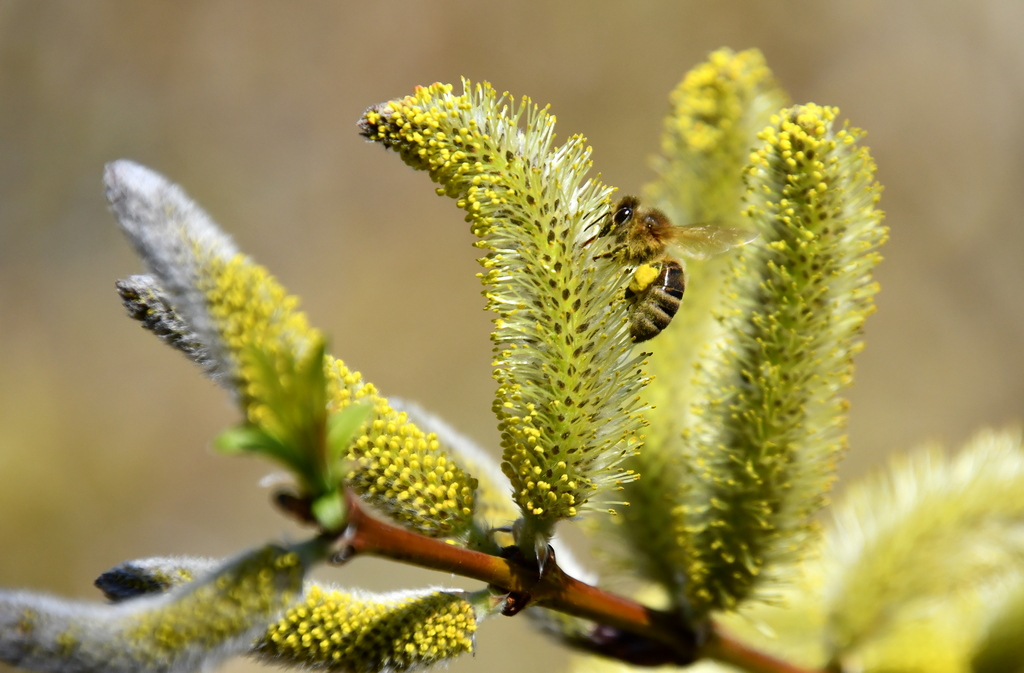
(611, 253)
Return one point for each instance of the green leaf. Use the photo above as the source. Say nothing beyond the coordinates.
(330, 511)
(246, 439)
(343, 427)
(252, 439)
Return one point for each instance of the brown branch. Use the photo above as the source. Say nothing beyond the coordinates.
(626, 630)
(723, 647)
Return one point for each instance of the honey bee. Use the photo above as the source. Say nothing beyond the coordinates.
(643, 237)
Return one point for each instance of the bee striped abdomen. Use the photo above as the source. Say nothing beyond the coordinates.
(654, 307)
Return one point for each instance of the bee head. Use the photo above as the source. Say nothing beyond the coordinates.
(621, 216)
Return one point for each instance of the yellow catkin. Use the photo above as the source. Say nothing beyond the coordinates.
(395, 466)
(715, 114)
(237, 322)
(337, 631)
(562, 354)
(769, 433)
(400, 468)
(235, 601)
(907, 541)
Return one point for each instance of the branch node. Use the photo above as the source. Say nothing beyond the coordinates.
(515, 601)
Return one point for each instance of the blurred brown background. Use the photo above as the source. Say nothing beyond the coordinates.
(251, 107)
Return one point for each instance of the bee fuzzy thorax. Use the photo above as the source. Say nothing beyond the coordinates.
(641, 233)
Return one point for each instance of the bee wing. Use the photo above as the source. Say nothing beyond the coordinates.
(701, 241)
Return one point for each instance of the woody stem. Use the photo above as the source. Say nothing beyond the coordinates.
(628, 630)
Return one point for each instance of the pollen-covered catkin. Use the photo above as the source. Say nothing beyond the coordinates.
(715, 114)
(567, 401)
(767, 436)
(337, 631)
(330, 628)
(933, 529)
(493, 502)
(190, 628)
(247, 332)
